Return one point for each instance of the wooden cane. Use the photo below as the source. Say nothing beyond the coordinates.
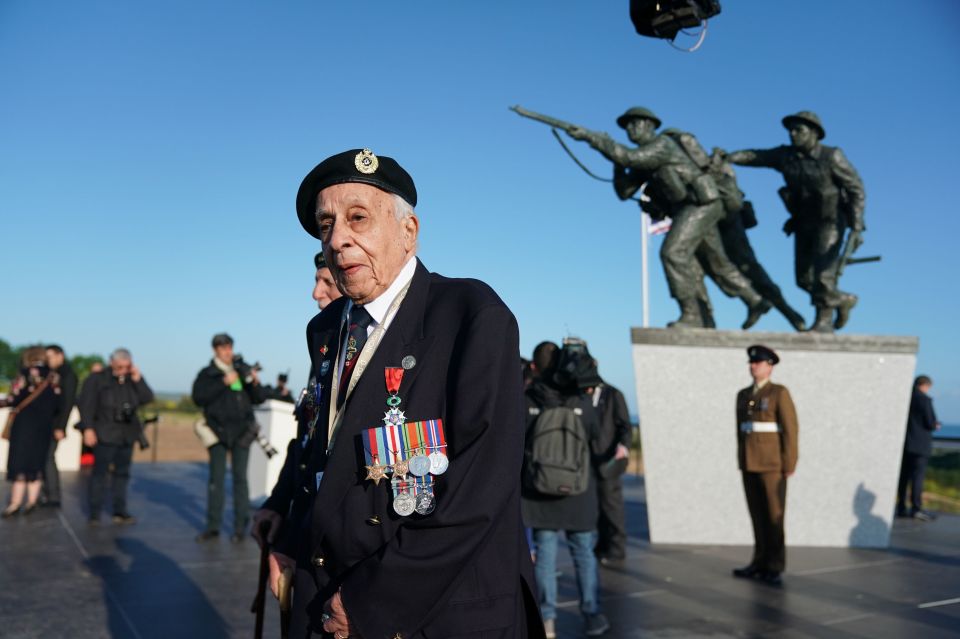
(285, 585)
(260, 600)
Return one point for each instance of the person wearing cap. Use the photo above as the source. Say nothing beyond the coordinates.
(824, 196)
(226, 390)
(324, 289)
(767, 454)
(680, 188)
(404, 347)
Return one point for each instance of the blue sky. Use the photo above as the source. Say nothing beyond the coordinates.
(152, 152)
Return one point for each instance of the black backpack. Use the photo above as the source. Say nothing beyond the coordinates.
(557, 453)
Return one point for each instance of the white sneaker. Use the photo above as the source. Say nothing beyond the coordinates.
(549, 629)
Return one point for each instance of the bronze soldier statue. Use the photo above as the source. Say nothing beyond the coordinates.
(824, 196)
(688, 194)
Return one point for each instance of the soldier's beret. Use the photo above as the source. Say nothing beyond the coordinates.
(356, 165)
(319, 261)
(761, 353)
(638, 113)
(809, 118)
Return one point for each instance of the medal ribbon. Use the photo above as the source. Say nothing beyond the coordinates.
(436, 433)
(393, 377)
(372, 448)
(397, 451)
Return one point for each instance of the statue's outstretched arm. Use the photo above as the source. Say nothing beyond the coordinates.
(769, 158)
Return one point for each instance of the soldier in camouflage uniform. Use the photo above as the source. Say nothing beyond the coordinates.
(824, 196)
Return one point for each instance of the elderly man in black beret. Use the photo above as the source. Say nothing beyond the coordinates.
(407, 520)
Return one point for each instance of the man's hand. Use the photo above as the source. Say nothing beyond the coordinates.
(277, 563)
(59, 434)
(622, 452)
(336, 623)
(275, 520)
(787, 474)
(135, 373)
(577, 133)
(89, 437)
(230, 378)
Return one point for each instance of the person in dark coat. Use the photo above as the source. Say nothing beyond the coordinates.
(612, 457)
(57, 361)
(108, 405)
(574, 516)
(226, 390)
(447, 350)
(921, 422)
(36, 403)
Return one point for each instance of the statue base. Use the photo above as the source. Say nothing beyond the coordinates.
(852, 394)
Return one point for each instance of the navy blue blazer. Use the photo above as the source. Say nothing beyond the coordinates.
(465, 567)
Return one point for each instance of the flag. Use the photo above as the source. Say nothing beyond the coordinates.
(659, 228)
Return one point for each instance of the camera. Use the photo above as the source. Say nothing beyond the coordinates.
(575, 368)
(244, 370)
(125, 413)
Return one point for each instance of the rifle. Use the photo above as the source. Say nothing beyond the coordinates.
(260, 600)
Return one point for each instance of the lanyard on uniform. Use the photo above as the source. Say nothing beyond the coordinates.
(335, 416)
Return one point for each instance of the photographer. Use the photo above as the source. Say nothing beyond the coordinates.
(108, 407)
(226, 390)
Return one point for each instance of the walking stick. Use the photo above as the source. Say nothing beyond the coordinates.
(286, 581)
(260, 600)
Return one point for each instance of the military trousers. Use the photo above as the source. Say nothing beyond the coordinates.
(120, 458)
(766, 499)
(816, 261)
(694, 237)
(239, 455)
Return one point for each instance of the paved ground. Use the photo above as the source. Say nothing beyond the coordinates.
(59, 578)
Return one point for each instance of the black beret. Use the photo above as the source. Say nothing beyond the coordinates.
(221, 339)
(356, 165)
(319, 261)
(761, 353)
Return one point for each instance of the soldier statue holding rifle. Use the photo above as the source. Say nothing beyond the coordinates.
(824, 196)
(687, 193)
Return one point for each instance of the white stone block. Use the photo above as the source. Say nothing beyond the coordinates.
(278, 426)
(852, 395)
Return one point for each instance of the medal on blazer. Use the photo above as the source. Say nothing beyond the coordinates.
(404, 504)
(393, 377)
(438, 445)
(424, 503)
(373, 447)
(419, 462)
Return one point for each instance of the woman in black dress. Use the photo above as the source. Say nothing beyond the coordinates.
(36, 402)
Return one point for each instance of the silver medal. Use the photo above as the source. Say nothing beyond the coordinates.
(408, 362)
(438, 463)
(425, 502)
(419, 465)
(404, 504)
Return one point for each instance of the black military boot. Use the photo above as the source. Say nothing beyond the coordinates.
(843, 311)
(755, 311)
(689, 315)
(824, 321)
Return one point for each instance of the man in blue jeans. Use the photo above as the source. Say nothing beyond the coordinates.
(564, 384)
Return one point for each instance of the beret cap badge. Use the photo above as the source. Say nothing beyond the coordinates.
(366, 162)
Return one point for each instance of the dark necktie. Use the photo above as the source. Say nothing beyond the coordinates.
(358, 322)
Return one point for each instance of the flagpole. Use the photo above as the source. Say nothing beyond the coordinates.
(644, 275)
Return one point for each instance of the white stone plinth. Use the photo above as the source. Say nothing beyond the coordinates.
(278, 426)
(68, 450)
(852, 395)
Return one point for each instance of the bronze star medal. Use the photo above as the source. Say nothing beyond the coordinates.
(376, 472)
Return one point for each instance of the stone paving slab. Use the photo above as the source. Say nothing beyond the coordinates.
(61, 578)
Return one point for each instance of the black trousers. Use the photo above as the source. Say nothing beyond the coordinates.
(912, 471)
(105, 455)
(51, 475)
(766, 498)
(611, 522)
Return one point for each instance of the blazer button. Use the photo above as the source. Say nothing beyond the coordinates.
(303, 467)
(318, 562)
(373, 521)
